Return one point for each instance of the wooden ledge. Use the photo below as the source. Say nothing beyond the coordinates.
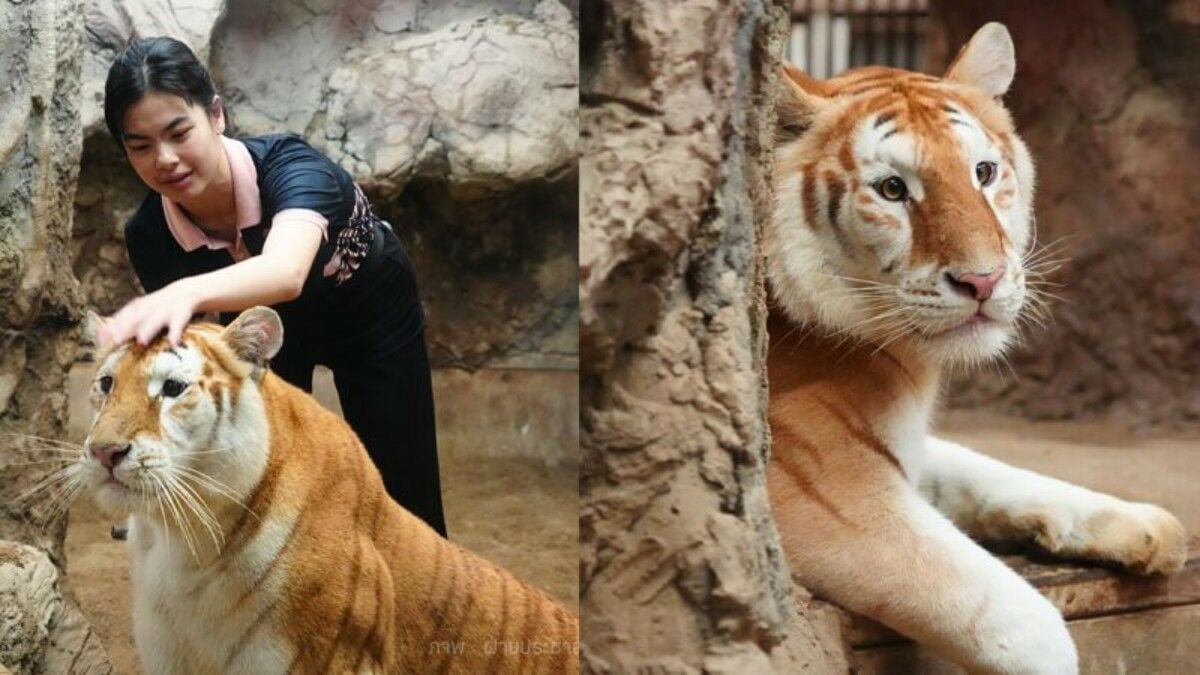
(1120, 622)
(1079, 591)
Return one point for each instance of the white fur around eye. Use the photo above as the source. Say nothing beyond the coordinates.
(183, 363)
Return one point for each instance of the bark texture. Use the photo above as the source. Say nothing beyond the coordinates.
(1106, 96)
(680, 566)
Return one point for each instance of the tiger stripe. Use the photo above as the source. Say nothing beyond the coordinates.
(808, 486)
(862, 434)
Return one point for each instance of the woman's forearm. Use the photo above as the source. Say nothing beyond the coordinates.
(259, 280)
(275, 276)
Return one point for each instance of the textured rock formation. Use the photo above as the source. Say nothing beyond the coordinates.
(39, 297)
(1105, 96)
(680, 566)
(112, 23)
(40, 301)
(40, 632)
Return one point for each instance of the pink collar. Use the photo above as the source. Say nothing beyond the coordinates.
(245, 198)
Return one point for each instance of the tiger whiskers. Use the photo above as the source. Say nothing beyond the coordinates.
(195, 504)
(168, 497)
(215, 486)
(181, 506)
(62, 485)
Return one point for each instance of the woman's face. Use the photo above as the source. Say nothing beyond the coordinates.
(174, 147)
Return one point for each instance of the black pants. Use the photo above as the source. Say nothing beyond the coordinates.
(372, 336)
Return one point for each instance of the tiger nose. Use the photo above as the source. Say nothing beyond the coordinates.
(109, 454)
(978, 286)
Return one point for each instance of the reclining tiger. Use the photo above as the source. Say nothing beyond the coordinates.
(262, 540)
(899, 247)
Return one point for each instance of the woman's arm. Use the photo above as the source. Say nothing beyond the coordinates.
(276, 275)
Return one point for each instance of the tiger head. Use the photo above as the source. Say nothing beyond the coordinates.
(903, 204)
(177, 430)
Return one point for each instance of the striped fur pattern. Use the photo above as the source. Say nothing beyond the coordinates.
(901, 246)
(261, 537)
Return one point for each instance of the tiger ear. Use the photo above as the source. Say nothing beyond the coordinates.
(92, 323)
(255, 336)
(800, 99)
(988, 61)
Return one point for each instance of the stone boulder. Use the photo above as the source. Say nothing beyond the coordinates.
(111, 24)
(40, 304)
(483, 105)
(40, 630)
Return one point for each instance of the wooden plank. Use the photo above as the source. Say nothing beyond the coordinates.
(1079, 591)
(1148, 641)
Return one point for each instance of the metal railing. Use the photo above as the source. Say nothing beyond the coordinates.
(829, 36)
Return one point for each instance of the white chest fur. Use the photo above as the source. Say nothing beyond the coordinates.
(198, 617)
(906, 429)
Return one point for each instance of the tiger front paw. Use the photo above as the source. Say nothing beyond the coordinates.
(1141, 537)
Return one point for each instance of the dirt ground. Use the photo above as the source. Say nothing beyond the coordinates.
(518, 513)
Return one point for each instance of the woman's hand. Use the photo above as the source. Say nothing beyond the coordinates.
(170, 307)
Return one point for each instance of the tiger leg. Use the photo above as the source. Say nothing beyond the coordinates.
(878, 549)
(994, 501)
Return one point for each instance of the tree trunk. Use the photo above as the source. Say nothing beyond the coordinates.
(680, 565)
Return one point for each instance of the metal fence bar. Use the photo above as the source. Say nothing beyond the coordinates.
(829, 36)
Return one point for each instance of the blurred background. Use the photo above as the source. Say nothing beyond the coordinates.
(459, 121)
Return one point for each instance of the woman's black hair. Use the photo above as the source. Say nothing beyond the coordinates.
(158, 64)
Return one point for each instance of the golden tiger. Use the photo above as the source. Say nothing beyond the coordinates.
(901, 244)
(261, 537)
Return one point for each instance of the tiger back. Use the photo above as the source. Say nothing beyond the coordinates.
(262, 539)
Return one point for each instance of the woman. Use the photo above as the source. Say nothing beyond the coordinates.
(268, 220)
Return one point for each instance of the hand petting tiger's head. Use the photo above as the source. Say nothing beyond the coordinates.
(903, 205)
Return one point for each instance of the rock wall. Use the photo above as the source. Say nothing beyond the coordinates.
(40, 301)
(1106, 96)
(39, 297)
(680, 566)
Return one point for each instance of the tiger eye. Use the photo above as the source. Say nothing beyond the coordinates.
(106, 384)
(173, 388)
(986, 173)
(892, 189)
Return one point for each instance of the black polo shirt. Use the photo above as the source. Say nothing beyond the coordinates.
(291, 175)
